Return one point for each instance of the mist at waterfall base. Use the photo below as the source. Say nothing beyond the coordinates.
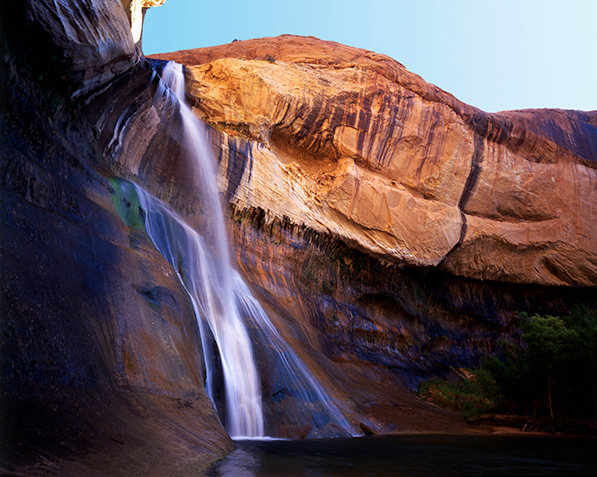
(234, 328)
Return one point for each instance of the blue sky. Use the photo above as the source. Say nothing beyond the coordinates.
(494, 54)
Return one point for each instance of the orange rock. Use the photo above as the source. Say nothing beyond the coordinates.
(348, 142)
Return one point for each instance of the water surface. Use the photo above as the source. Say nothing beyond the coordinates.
(419, 455)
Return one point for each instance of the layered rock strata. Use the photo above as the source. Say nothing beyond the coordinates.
(364, 204)
(392, 231)
(348, 142)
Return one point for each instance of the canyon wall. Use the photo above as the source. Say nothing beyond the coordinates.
(101, 362)
(351, 144)
(391, 232)
(391, 228)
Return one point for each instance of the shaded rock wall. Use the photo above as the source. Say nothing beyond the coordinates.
(373, 331)
(100, 359)
(364, 205)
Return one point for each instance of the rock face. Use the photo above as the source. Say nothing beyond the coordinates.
(101, 364)
(365, 205)
(392, 231)
(348, 142)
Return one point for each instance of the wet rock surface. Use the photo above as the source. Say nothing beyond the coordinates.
(100, 354)
(372, 331)
(392, 231)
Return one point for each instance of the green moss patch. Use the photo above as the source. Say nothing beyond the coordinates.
(126, 204)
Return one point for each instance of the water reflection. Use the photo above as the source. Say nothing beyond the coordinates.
(412, 456)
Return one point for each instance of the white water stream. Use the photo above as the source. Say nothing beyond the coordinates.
(223, 304)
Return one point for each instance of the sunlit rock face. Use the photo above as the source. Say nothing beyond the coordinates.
(350, 143)
(364, 205)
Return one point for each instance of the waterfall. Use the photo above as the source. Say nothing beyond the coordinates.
(224, 306)
(209, 281)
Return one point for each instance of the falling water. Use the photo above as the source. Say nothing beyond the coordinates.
(223, 304)
(311, 399)
(208, 278)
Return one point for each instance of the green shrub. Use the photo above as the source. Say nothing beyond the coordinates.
(474, 394)
(553, 372)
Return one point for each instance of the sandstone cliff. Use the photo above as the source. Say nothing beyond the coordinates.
(365, 205)
(350, 143)
(392, 231)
